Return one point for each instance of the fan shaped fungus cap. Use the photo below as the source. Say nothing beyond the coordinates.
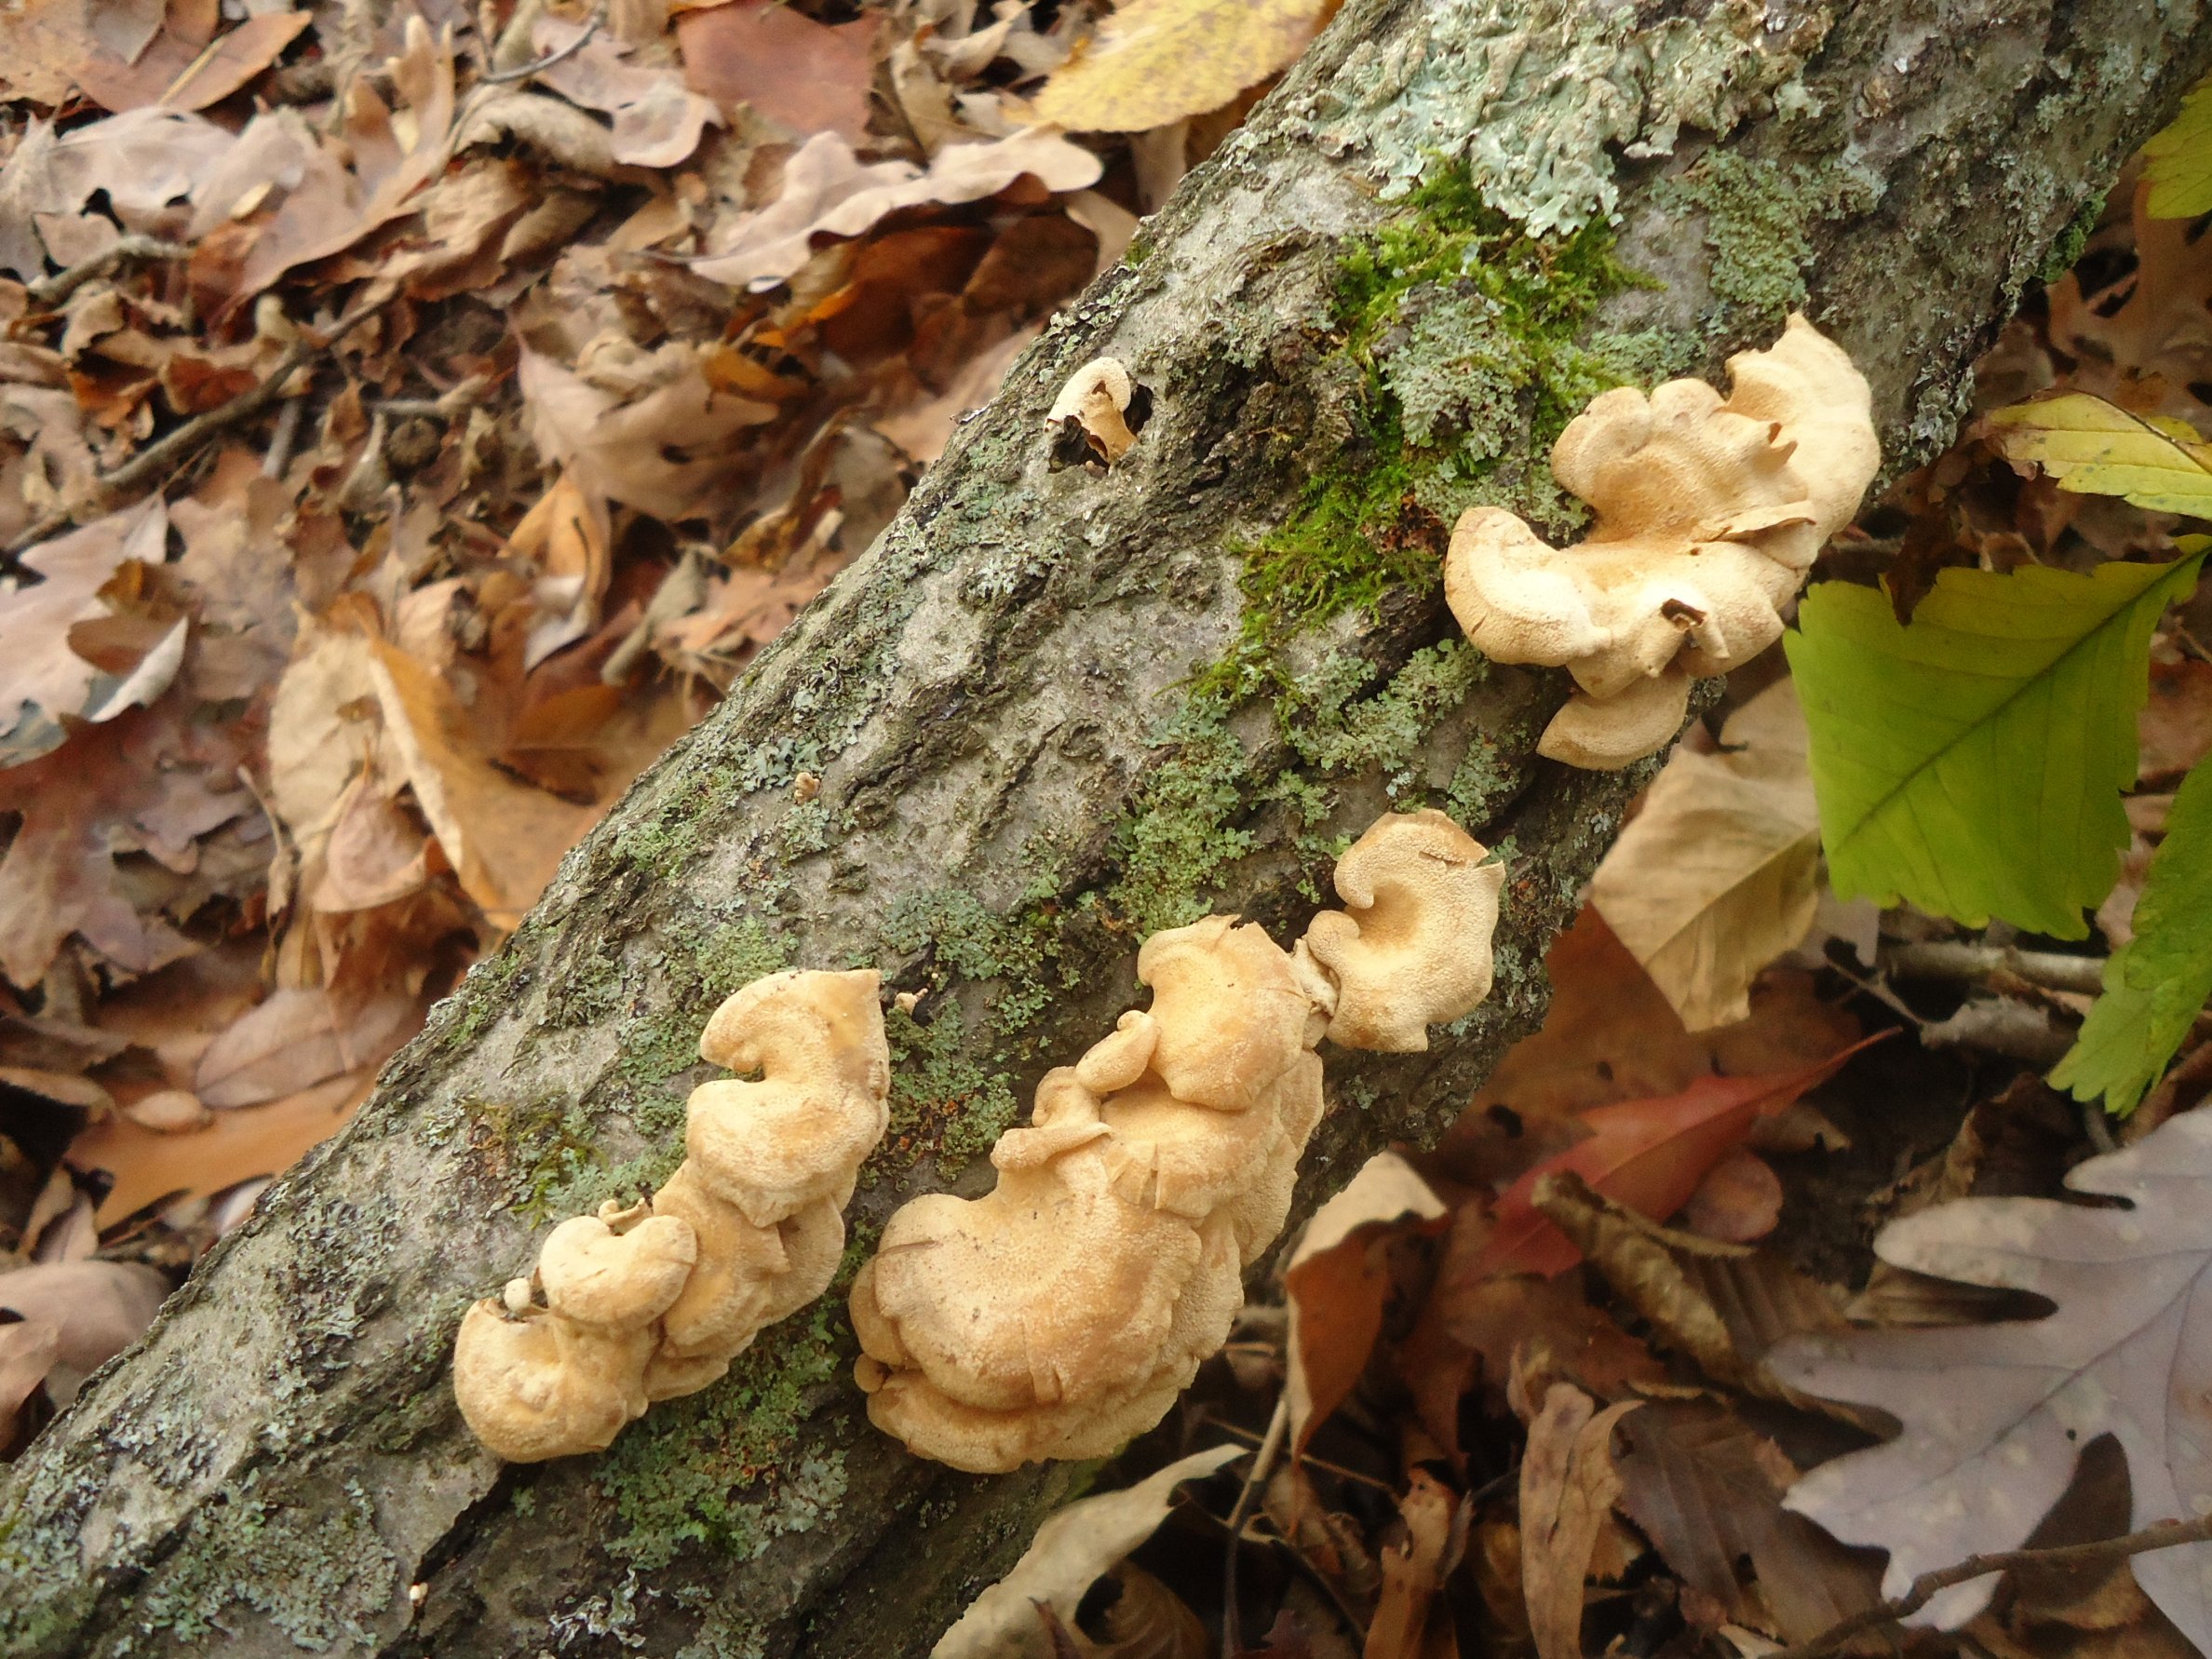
(1709, 512)
(1411, 951)
(1061, 1312)
(655, 1300)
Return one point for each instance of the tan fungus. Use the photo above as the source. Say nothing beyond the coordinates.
(1709, 514)
(1061, 1314)
(655, 1300)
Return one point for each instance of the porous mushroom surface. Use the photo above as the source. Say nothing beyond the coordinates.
(1709, 513)
(653, 1301)
(1061, 1314)
(1415, 887)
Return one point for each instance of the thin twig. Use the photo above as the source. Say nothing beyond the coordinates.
(523, 72)
(52, 290)
(1959, 963)
(1928, 1585)
(169, 453)
(1278, 1428)
(1237, 1431)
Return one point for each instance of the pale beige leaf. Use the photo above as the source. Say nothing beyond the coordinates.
(1995, 1416)
(1070, 1550)
(1717, 875)
(659, 120)
(1158, 60)
(827, 191)
(97, 1308)
(297, 1039)
(665, 453)
(37, 668)
(28, 1350)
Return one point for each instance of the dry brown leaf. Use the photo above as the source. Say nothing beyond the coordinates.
(1717, 876)
(1722, 1305)
(1070, 1550)
(297, 1039)
(2176, 724)
(666, 452)
(149, 1165)
(37, 669)
(502, 838)
(812, 77)
(1156, 61)
(1336, 1285)
(376, 853)
(1567, 1489)
(345, 192)
(180, 73)
(828, 191)
(1706, 1491)
(922, 429)
(1413, 1572)
(659, 120)
(28, 1350)
(126, 786)
(1610, 1035)
(97, 1308)
(2128, 1352)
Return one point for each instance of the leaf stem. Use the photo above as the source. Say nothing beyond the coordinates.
(2164, 1534)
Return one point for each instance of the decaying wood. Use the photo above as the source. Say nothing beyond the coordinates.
(279, 1464)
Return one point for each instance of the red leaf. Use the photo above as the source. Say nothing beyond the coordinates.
(1647, 1154)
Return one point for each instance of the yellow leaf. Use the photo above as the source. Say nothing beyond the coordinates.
(2097, 448)
(1159, 60)
(2179, 169)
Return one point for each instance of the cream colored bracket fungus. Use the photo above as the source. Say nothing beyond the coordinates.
(1709, 514)
(641, 1304)
(1098, 414)
(1061, 1314)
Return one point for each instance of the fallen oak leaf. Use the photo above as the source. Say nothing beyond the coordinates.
(1648, 1156)
(1984, 1455)
(249, 1141)
(1156, 61)
(1336, 1287)
(1717, 875)
(179, 73)
(1706, 1490)
(1567, 1486)
(1070, 1550)
(97, 1309)
(810, 76)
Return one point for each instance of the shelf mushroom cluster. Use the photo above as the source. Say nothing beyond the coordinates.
(1061, 1314)
(1709, 514)
(653, 1301)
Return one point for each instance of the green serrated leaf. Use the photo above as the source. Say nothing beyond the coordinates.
(1971, 763)
(2179, 170)
(2096, 448)
(2155, 984)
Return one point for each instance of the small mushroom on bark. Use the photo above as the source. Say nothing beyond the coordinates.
(1709, 514)
(1061, 1314)
(655, 1300)
(1098, 414)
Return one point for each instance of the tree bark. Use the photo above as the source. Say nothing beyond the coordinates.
(1029, 752)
